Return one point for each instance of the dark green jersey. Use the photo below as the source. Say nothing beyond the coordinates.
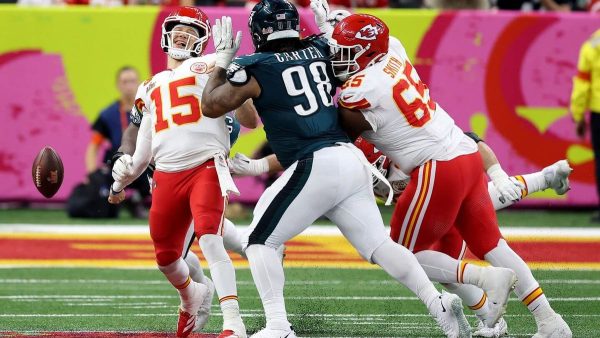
(296, 101)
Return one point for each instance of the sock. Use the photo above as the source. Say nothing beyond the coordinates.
(445, 269)
(223, 275)
(269, 279)
(527, 288)
(193, 263)
(472, 296)
(179, 276)
(231, 238)
(403, 266)
(533, 182)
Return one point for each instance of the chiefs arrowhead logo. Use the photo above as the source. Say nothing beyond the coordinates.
(368, 32)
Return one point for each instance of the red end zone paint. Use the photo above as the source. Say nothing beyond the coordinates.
(314, 250)
(80, 334)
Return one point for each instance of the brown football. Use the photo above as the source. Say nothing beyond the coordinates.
(47, 172)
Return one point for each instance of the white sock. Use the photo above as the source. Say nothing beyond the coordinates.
(223, 275)
(472, 296)
(402, 265)
(269, 279)
(527, 288)
(178, 275)
(533, 182)
(445, 269)
(193, 263)
(231, 238)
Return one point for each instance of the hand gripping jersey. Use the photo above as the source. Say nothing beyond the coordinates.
(408, 126)
(297, 109)
(181, 137)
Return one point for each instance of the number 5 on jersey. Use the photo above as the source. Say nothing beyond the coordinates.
(176, 100)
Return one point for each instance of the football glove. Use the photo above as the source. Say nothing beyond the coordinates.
(241, 165)
(320, 9)
(511, 190)
(122, 168)
(225, 45)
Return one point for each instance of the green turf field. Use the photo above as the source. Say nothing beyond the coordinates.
(321, 302)
(510, 217)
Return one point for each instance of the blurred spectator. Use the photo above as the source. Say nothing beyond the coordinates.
(108, 130)
(111, 122)
(548, 5)
(586, 96)
(458, 4)
(347, 3)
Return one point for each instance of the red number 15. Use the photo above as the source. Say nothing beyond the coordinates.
(176, 100)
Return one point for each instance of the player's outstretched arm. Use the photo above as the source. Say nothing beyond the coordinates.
(241, 165)
(247, 115)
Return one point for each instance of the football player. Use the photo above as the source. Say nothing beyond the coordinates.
(290, 82)
(384, 99)
(191, 181)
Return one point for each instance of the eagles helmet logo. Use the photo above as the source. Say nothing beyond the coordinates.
(368, 32)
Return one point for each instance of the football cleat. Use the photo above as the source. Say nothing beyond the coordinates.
(232, 334)
(497, 283)
(557, 176)
(448, 313)
(499, 330)
(553, 327)
(272, 333)
(188, 310)
(204, 310)
(234, 329)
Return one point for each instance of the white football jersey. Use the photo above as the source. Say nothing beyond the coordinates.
(408, 125)
(182, 138)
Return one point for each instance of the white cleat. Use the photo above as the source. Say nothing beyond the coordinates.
(271, 333)
(497, 283)
(204, 311)
(450, 317)
(234, 329)
(557, 176)
(499, 330)
(553, 327)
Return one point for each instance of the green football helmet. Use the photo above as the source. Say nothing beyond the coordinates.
(273, 19)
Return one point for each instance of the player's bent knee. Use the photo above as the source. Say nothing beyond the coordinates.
(213, 249)
(166, 257)
(485, 245)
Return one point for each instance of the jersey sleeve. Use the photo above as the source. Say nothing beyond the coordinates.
(238, 72)
(358, 93)
(139, 105)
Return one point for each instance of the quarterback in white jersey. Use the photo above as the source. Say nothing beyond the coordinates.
(192, 179)
(384, 99)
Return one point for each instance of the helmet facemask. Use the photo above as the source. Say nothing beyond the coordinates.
(182, 44)
(344, 59)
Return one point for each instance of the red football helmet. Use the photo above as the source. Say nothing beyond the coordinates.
(358, 41)
(194, 45)
(374, 156)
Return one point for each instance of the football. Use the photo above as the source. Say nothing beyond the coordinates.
(47, 172)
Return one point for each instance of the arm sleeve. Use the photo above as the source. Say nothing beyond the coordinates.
(139, 106)
(143, 147)
(362, 96)
(581, 83)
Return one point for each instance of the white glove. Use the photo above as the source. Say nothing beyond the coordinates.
(243, 166)
(320, 9)
(122, 170)
(336, 16)
(225, 46)
(510, 190)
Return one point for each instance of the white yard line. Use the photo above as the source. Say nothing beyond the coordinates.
(341, 316)
(296, 282)
(324, 230)
(342, 298)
